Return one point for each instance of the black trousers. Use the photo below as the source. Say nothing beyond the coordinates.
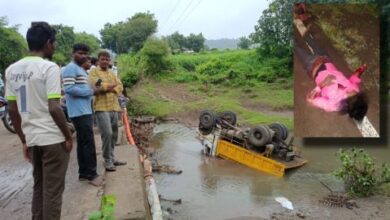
(86, 149)
(306, 56)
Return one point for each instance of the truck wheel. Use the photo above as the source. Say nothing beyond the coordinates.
(230, 117)
(259, 136)
(286, 131)
(207, 120)
(206, 131)
(280, 130)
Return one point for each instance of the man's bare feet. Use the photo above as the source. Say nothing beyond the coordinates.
(97, 181)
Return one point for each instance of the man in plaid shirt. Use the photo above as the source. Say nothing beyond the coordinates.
(107, 107)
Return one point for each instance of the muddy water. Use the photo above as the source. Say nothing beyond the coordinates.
(212, 188)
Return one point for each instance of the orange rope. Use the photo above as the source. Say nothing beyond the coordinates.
(126, 123)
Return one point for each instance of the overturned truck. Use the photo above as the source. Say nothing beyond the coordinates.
(266, 148)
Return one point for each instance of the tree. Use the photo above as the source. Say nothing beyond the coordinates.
(176, 41)
(244, 43)
(274, 28)
(88, 39)
(137, 30)
(131, 35)
(12, 45)
(195, 42)
(273, 31)
(109, 35)
(155, 54)
(65, 38)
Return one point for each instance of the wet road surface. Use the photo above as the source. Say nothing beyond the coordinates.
(16, 184)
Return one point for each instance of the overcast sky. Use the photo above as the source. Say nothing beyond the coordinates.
(214, 18)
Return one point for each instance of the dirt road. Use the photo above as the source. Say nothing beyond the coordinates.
(16, 184)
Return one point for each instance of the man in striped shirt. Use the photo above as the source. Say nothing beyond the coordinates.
(78, 95)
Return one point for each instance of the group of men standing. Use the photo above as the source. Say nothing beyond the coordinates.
(33, 89)
(79, 89)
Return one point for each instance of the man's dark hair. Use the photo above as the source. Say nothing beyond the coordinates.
(103, 53)
(357, 106)
(94, 60)
(38, 34)
(80, 46)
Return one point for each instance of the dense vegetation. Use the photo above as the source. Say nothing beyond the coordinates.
(362, 177)
(130, 35)
(66, 37)
(229, 68)
(219, 80)
(12, 44)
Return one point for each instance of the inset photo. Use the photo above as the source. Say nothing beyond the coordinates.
(336, 70)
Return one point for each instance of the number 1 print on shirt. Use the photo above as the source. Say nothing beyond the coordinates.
(23, 98)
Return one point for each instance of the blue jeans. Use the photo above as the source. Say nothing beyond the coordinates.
(108, 126)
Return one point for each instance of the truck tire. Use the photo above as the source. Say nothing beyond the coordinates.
(207, 120)
(259, 136)
(280, 130)
(206, 131)
(230, 117)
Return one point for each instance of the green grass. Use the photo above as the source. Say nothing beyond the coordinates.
(221, 81)
(238, 67)
(216, 98)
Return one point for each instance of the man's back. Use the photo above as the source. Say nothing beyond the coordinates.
(31, 82)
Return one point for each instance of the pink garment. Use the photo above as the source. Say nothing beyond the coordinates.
(331, 97)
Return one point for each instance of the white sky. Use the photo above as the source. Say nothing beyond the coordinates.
(214, 18)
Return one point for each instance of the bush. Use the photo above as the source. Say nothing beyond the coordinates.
(233, 68)
(12, 45)
(155, 54)
(130, 78)
(212, 67)
(131, 69)
(360, 174)
(60, 59)
(187, 64)
(183, 77)
(281, 66)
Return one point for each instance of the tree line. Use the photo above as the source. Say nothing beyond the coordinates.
(272, 35)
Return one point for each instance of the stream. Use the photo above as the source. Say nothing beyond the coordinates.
(220, 189)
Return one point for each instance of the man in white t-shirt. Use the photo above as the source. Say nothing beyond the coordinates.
(33, 89)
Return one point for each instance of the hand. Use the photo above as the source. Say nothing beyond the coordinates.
(111, 87)
(96, 90)
(69, 144)
(313, 94)
(27, 153)
(359, 71)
